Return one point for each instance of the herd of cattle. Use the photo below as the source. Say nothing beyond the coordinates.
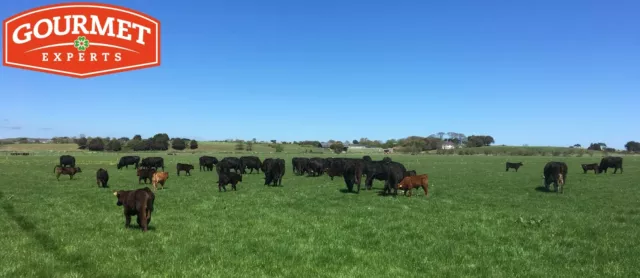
(394, 174)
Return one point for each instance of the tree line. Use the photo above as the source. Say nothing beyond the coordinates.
(159, 142)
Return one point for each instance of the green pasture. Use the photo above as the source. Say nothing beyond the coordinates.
(479, 221)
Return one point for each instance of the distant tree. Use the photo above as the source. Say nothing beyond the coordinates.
(594, 147)
(274, 141)
(479, 141)
(440, 135)
(96, 144)
(337, 147)
(193, 144)
(239, 146)
(577, 146)
(114, 145)
(632, 146)
(249, 146)
(355, 142)
(178, 144)
(137, 137)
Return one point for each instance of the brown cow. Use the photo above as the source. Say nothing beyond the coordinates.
(159, 177)
(411, 182)
(71, 171)
(145, 174)
(136, 202)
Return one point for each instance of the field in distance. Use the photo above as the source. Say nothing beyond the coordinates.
(478, 221)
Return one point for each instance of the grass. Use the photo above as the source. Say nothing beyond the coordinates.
(478, 221)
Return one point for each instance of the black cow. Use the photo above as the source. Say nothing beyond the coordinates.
(251, 162)
(395, 174)
(67, 161)
(367, 158)
(299, 165)
(317, 166)
(610, 162)
(274, 172)
(335, 167)
(145, 174)
(410, 173)
(184, 167)
(153, 162)
(125, 161)
(556, 173)
(375, 170)
(513, 165)
(229, 163)
(352, 172)
(102, 178)
(225, 178)
(207, 162)
(592, 166)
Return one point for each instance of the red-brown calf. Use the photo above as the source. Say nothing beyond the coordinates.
(411, 182)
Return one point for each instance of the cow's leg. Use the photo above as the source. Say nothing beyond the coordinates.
(98, 183)
(70, 177)
(425, 187)
(410, 189)
(142, 217)
(127, 220)
(516, 169)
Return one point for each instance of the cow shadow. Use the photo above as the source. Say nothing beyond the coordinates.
(46, 242)
(346, 191)
(544, 189)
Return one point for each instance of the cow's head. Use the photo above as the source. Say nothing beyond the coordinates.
(190, 167)
(78, 170)
(118, 195)
(119, 166)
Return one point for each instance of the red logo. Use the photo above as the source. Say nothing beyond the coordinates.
(81, 40)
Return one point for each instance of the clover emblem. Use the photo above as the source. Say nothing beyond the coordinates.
(81, 43)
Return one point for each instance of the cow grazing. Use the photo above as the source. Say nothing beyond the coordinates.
(184, 167)
(410, 173)
(136, 202)
(410, 182)
(231, 163)
(153, 162)
(102, 177)
(67, 161)
(592, 166)
(159, 178)
(125, 161)
(610, 162)
(395, 173)
(274, 172)
(556, 173)
(71, 171)
(225, 178)
(300, 165)
(145, 174)
(252, 163)
(207, 162)
(513, 165)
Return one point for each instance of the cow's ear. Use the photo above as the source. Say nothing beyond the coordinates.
(115, 193)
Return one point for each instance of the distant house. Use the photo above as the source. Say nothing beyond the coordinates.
(448, 145)
(357, 146)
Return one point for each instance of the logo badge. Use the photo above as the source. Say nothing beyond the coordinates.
(81, 40)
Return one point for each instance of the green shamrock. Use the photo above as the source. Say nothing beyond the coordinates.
(81, 43)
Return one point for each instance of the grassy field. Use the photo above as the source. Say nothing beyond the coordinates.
(479, 221)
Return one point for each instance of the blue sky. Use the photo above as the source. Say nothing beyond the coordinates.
(543, 72)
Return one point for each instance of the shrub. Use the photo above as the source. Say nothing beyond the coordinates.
(556, 153)
(178, 144)
(193, 144)
(279, 148)
(96, 144)
(114, 145)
